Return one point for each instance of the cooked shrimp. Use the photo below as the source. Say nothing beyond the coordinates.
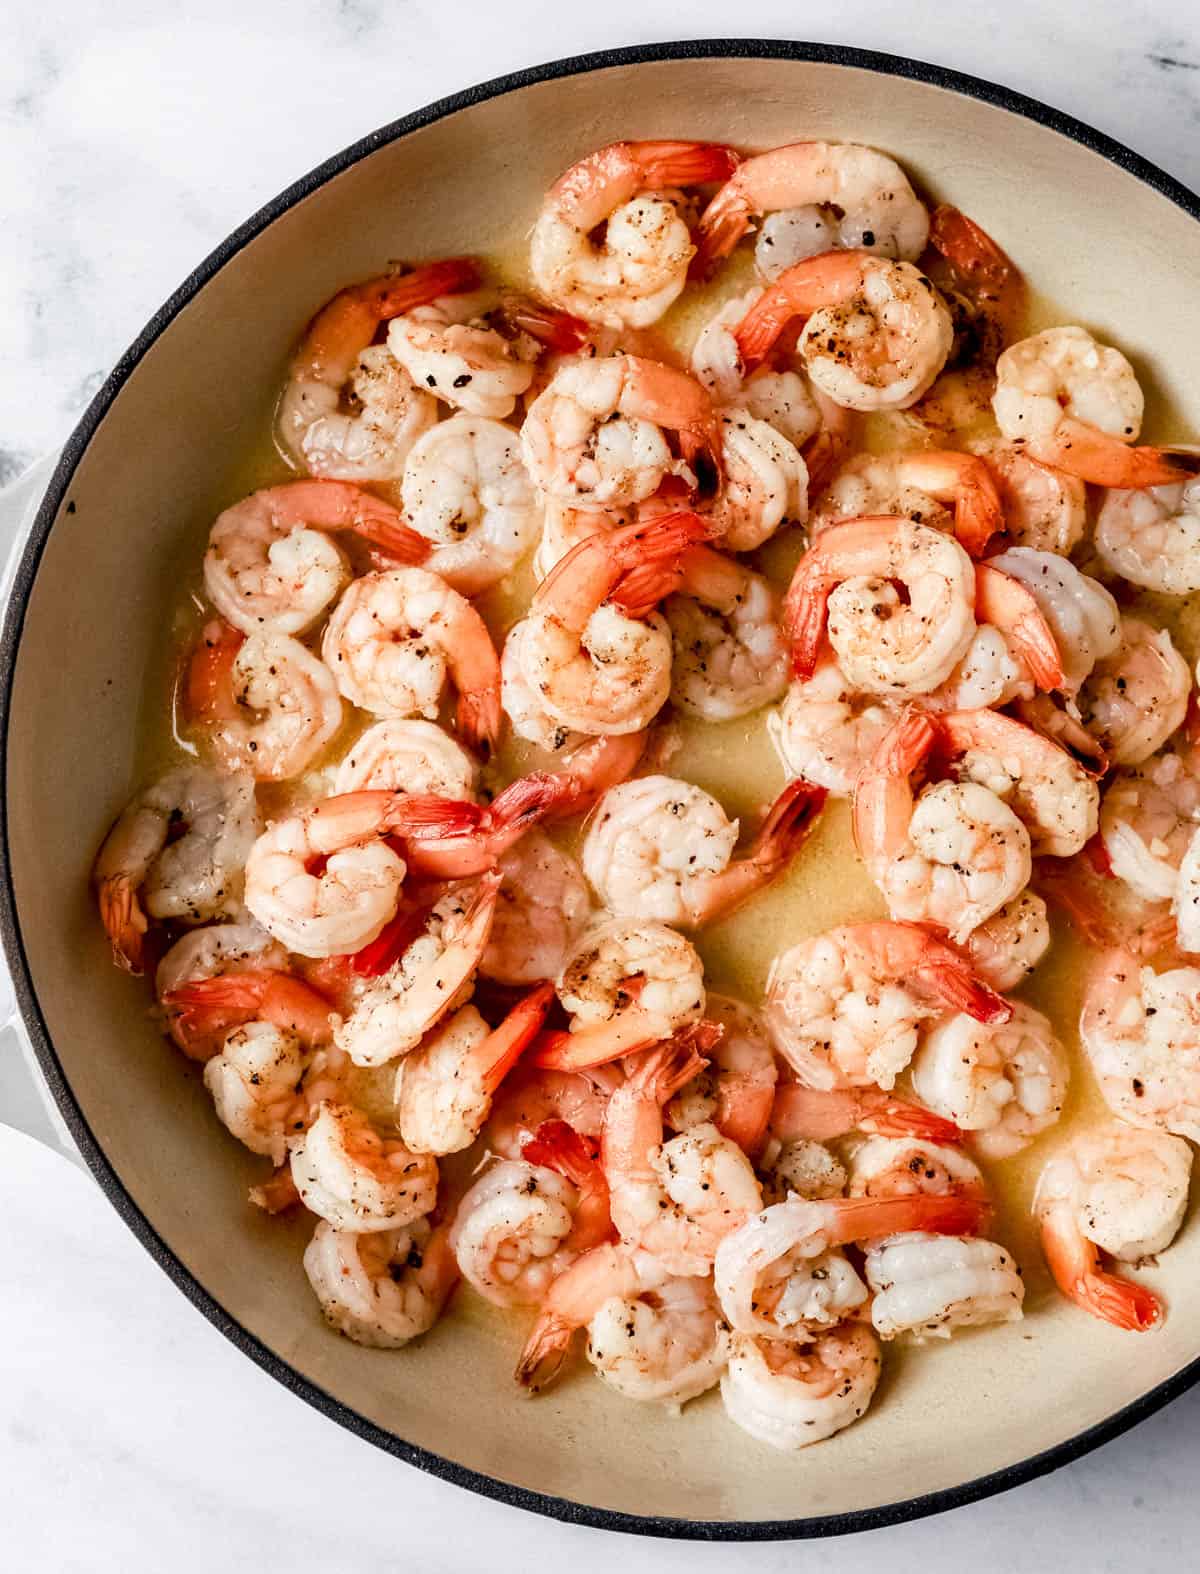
(593, 437)
(448, 348)
(408, 756)
(801, 1113)
(564, 527)
(626, 984)
(883, 644)
(1054, 797)
(782, 1273)
(532, 1097)
(675, 1200)
(661, 848)
(876, 333)
(202, 1010)
(764, 483)
(730, 653)
(444, 1088)
(591, 667)
(1043, 508)
(393, 639)
(212, 952)
(912, 1167)
(789, 1395)
(1141, 1032)
(1005, 949)
(177, 852)
(1076, 404)
(735, 1091)
(349, 410)
(467, 492)
(1082, 616)
(826, 730)
(843, 1008)
(1148, 817)
(520, 700)
(253, 1082)
(952, 855)
(1116, 1190)
(630, 278)
(1137, 695)
(541, 910)
(357, 1180)
(1004, 1082)
(800, 1168)
(652, 1335)
(1152, 537)
(938, 487)
(815, 197)
(265, 704)
(781, 398)
(385, 1289)
(431, 978)
(272, 566)
(929, 1285)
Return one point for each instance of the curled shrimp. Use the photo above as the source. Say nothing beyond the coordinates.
(383, 1289)
(815, 197)
(843, 1008)
(652, 1335)
(938, 487)
(354, 894)
(876, 333)
(408, 756)
(393, 639)
(594, 436)
(790, 1396)
(1148, 818)
(735, 1090)
(826, 730)
(541, 909)
(675, 1200)
(1141, 1032)
(952, 855)
(525, 1221)
(626, 984)
(212, 952)
(630, 278)
(883, 644)
(1005, 1082)
(272, 565)
(358, 1180)
(265, 704)
(201, 1010)
(1137, 694)
(929, 1285)
(730, 653)
(1075, 403)
(764, 482)
(349, 410)
(661, 848)
(1043, 508)
(782, 1272)
(430, 979)
(449, 349)
(444, 1088)
(253, 1081)
(177, 852)
(466, 491)
(1120, 1191)
(1082, 616)
(1053, 796)
(592, 668)
(1152, 537)
(1005, 948)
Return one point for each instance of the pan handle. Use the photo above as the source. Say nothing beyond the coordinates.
(25, 1101)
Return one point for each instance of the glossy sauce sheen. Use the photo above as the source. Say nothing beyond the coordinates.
(735, 761)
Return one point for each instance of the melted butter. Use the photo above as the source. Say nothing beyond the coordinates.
(736, 761)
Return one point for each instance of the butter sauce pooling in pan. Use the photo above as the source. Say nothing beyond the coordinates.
(722, 995)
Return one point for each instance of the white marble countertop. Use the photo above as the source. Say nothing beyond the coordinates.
(132, 1436)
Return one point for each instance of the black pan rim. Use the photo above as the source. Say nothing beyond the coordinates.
(22, 585)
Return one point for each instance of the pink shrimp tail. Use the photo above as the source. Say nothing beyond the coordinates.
(124, 923)
(425, 817)
(722, 225)
(1074, 1263)
(862, 1218)
(789, 823)
(762, 325)
(395, 542)
(208, 689)
(545, 1352)
(380, 955)
(948, 977)
(479, 718)
(508, 1042)
(684, 163)
(557, 330)
(819, 1114)
(894, 1117)
(558, 1146)
(407, 291)
(1004, 601)
(277, 1194)
(987, 270)
(592, 768)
